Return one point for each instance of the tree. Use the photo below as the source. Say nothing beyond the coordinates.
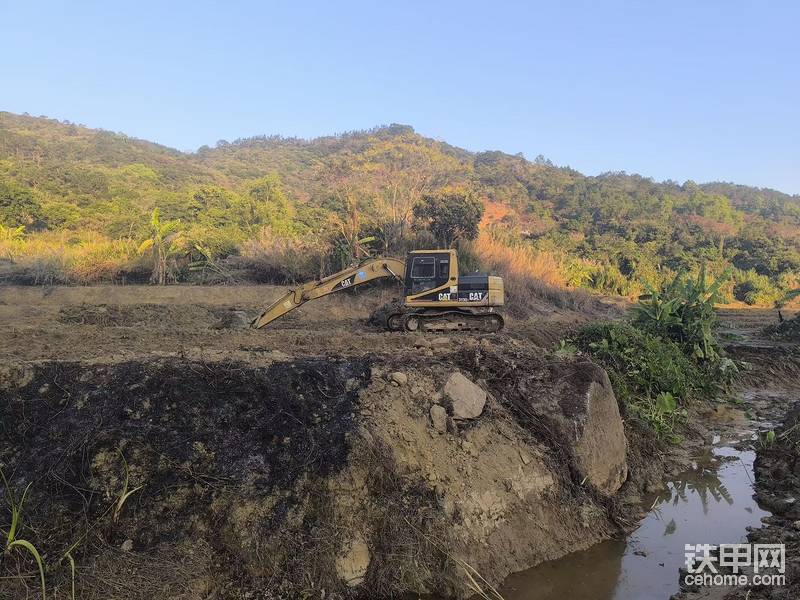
(163, 239)
(450, 215)
(18, 206)
(267, 204)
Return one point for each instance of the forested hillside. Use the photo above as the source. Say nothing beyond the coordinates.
(81, 205)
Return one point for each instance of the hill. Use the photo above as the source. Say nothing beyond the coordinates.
(77, 203)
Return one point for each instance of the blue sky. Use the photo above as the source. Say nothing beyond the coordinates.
(701, 90)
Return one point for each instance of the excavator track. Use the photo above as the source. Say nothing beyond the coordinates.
(452, 320)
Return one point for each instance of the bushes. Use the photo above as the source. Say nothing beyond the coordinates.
(683, 311)
(668, 353)
(752, 288)
(279, 259)
(52, 258)
(643, 365)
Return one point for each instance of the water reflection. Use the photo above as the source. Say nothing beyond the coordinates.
(711, 503)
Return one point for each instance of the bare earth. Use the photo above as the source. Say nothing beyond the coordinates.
(112, 323)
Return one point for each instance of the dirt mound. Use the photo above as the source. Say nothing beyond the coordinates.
(303, 478)
(223, 453)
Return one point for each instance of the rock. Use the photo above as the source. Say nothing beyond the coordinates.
(399, 378)
(439, 418)
(578, 405)
(439, 342)
(466, 398)
(127, 546)
(353, 564)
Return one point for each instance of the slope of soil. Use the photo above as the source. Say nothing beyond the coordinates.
(186, 456)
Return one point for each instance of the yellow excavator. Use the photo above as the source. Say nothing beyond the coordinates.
(436, 297)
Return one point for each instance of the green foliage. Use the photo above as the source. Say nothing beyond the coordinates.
(768, 439)
(683, 311)
(450, 216)
(668, 354)
(652, 377)
(661, 414)
(12, 540)
(18, 206)
(162, 244)
(752, 288)
(614, 233)
(646, 364)
(787, 297)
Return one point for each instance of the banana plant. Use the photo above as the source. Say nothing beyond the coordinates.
(163, 242)
(683, 311)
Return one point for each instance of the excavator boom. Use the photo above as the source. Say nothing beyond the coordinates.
(368, 270)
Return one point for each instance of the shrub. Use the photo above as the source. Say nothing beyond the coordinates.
(752, 288)
(683, 311)
(283, 260)
(651, 376)
(649, 364)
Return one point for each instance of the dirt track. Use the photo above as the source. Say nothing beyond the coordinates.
(112, 323)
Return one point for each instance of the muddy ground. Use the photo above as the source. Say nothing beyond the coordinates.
(178, 454)
(771, 399)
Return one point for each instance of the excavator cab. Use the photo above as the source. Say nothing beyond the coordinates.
(430, 272)
(436, 297)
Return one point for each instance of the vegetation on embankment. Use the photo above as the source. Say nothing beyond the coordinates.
(76, 206)
(666, 355)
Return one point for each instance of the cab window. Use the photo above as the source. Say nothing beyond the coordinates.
(423, 267)
(423, 274)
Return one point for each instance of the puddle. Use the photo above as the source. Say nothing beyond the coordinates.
(711, 503)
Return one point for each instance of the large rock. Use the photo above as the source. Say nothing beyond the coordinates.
(466, 398)
(439, 418)
(579, 406)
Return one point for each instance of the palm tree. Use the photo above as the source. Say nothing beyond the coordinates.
(163, 239)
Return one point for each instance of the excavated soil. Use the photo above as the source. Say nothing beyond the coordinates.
(178, 454)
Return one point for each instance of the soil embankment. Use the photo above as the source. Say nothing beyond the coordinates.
(180, 454)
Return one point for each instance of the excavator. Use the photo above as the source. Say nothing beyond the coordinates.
(436, 297)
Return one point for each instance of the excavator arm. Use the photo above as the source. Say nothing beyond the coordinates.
(368, 270)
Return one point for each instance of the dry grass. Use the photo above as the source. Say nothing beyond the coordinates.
(62, 257)
(283, 260)
(531, 276)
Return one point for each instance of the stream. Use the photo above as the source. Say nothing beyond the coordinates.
(712, 502)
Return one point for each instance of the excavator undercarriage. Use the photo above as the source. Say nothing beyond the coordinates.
(445, 320)
(436, 297)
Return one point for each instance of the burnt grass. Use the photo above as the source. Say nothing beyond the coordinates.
(178, 424)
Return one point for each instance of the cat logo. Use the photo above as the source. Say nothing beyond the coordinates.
(346, 282)
(444, 297)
